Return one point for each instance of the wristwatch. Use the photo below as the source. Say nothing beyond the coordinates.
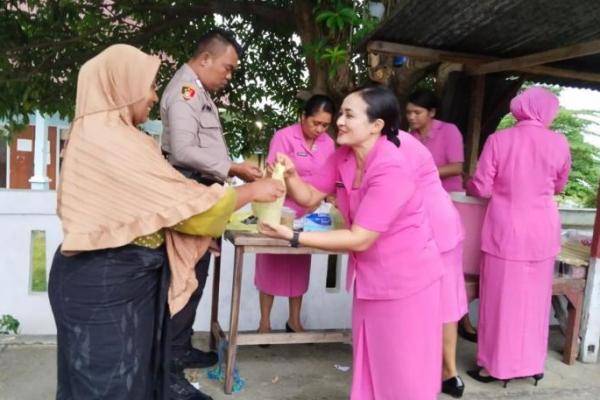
(295, 240)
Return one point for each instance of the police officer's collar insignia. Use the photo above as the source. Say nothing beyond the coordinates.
(188, 92)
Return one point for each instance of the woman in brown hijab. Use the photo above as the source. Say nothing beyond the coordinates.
(126, 216)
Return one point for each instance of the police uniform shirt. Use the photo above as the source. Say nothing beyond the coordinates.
(192, 132)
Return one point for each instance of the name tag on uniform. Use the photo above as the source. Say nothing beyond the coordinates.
(339, 184)
(301, 154)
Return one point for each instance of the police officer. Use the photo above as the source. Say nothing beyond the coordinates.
(194, 144)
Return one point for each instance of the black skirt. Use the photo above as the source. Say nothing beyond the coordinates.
(110, 311)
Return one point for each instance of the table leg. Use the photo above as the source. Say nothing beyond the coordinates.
(214, 312)
(234, 318)
(574, 320)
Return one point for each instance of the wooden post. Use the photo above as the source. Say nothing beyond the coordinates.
(590, 321)
(214, 312)
(236, 291)
(475, 123)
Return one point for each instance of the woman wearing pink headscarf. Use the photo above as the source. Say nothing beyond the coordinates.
(520, 170)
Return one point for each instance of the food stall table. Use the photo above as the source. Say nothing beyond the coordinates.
(244, 243)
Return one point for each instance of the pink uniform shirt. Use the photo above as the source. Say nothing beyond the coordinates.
(445, 143)
(521, 169)
(404, 259)
(290, 140)
(444, 218)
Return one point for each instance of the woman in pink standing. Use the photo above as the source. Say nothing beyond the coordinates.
(443, 139)
(520, 170)
(394, 267)
(308, 145)
(448, 234)
(445, 143)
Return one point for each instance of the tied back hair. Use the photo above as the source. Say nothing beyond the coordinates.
(383, 104)
(318, 103)
(425, 99)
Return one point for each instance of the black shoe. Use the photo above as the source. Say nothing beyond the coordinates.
(194, 358)
(181, 389)
(463, 333)
(288, 328)
(476, 374)
(453, 386)
(264, 346)
(537, 377)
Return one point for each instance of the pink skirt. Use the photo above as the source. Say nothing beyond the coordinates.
(282, 274)
(454, 294)
(514, 312)
(397, 347)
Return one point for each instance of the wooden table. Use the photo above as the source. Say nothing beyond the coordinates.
(243, 243)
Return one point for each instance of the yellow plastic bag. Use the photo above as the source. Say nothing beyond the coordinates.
(270, 213)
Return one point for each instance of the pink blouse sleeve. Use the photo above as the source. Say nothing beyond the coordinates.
(482, 183)
(388, 191)
(454, 145)
(278, 145)
(563, 174)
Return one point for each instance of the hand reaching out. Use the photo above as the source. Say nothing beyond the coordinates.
(267, 189)
(247, 171)
(290, 168)
(276, 231)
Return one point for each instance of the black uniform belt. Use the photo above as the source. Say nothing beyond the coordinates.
(197, 176)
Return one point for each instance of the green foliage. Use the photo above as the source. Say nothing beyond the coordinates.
(9, 324)
(344, 24)
(585, 170)
(46, 42)
(340, 18)
(38, 262)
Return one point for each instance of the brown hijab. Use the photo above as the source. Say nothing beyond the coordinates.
(115, 185)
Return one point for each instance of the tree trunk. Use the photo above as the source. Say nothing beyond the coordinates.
(309, 32)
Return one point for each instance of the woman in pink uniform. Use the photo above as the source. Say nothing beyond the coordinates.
(394, 267)
(445, 143)
(309, 146)
(443, 139)
(520, 170)
(448, 234)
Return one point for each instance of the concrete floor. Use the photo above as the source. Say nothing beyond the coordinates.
(296, 372)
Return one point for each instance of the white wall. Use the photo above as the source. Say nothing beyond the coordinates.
(22, 211)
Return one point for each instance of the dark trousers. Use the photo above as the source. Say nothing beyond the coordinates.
(109, 308)
(180, 326)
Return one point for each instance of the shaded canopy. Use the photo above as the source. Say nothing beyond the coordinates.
(500, 29)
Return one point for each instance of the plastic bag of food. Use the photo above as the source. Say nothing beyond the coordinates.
(270, 213)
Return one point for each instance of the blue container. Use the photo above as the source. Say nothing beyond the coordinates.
(317, 222)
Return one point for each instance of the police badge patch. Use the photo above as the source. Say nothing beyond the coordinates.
(188, 92)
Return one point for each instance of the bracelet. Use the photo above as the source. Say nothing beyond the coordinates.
(295, 240)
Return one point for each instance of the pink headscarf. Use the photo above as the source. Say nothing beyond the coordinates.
(535, 103)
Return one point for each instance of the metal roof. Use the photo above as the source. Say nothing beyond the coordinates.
(498, 28)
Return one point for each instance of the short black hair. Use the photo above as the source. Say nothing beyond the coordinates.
(383, 104)
(424, 98)
(317, 103)
(220, 36)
